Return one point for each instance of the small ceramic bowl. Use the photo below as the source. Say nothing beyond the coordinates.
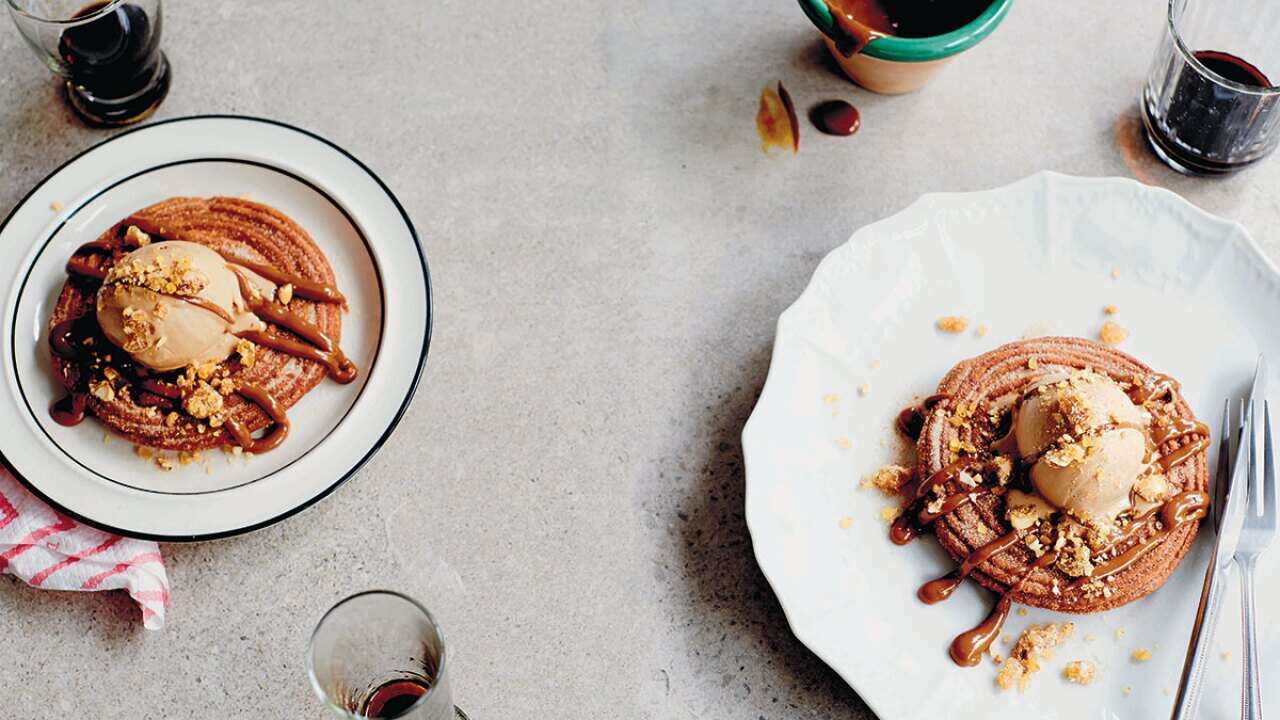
(893, 65)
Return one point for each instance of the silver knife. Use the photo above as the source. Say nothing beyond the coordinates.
(1229, 505)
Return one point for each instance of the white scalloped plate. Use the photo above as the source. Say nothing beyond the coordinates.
(1033, 258)
(356, 222)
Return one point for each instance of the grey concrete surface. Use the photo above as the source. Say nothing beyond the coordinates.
(610, 250)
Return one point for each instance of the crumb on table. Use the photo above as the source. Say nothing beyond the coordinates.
(1036, 643)
(1081, 672)
(952, 323)
(1112, 334)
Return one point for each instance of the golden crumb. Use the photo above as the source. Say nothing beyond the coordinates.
(1127, 689)
(952, 324)
(1115, 273)
(1119, 633)
(102, 390)
(203, 401)
(1081, 672)
(284, 293)
(831, 398)
(864, 388)
(1022, 612)
(1110, 309)
(1141, 655)
(56, 205)
(142, 452)
(888, 479)
(1112, 334)
(1036, 643)
(1033, 363)
(875, 364)
(186, 457)
(845, 522)
(980, 331)
(1226, 655)
(164, 463)
(171, 419)
(889, 513)
(247, 351)
(135, 236)
(844, 443)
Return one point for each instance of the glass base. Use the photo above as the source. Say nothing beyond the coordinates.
(103, 112)
(459, 714)
(1181, 161)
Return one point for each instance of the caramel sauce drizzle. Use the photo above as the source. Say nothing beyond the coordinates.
(280, 421)
(1176, 512)
(70, 410)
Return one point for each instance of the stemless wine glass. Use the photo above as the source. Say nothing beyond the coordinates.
(380, 654)
(107, 52)
(1210, 101)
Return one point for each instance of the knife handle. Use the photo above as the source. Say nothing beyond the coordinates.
(1188, 698)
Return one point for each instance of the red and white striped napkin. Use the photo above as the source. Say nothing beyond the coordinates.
(49, 550)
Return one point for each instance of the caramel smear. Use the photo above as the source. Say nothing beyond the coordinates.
(776, 121)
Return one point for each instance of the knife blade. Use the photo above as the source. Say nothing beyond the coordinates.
(1228, 513)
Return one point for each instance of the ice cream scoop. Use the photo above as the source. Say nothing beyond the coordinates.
(174, 304)
(1089, 444)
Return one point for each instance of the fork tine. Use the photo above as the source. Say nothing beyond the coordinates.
(1252, 488)
(1269, 470)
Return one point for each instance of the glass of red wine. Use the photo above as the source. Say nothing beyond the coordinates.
(380, 654)
(1209, 104)
(107, 53)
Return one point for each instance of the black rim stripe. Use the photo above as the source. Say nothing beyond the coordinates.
(22, 287)
(395, 420)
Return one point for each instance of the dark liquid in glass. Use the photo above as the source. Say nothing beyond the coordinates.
(1205, 119)
(116, 70)
(393, 699)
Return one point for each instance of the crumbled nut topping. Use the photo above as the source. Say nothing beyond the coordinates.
(135, 235)
(1110, 309)
(143, 452)
(171, 419)
(1003, 467)
(888, 479)
(164, 463)
(203, 401)
(284, 294)
(844, 443)
(186, 457)
(177, 277)
(845, 523)
(56, 205)
(1112, 334)
(980, 331)
(1151, 487)
(889, 513)
(247, 351)
(102, 390)
(1024, 510)
(1081, 672)
(953, 324)
(1036, 643)
(1141, 655)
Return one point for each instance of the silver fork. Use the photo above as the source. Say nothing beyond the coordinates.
(1259, 529)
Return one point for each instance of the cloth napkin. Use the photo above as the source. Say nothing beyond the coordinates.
(49, 550)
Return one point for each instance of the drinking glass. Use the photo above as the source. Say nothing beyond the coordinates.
(1208, 105)
(107, 52)
(380, 654)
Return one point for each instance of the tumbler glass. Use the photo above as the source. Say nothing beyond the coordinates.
(107, 52)
(380, 654)
(1209, 105)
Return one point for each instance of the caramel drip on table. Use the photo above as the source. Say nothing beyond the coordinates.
(280, 429)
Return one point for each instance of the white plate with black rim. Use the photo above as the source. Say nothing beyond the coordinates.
(86, 471)
(1042, 256)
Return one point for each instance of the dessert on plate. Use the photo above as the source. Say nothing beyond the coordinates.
(1058, 472)
(196, 323)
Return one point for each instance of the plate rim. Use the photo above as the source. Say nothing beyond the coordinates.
(394, 422)
(754, 503)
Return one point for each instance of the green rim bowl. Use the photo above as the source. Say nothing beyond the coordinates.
(900, 49)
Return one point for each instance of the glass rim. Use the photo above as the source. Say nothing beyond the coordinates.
(311, 647)
(106, 7)
(1203, 69)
